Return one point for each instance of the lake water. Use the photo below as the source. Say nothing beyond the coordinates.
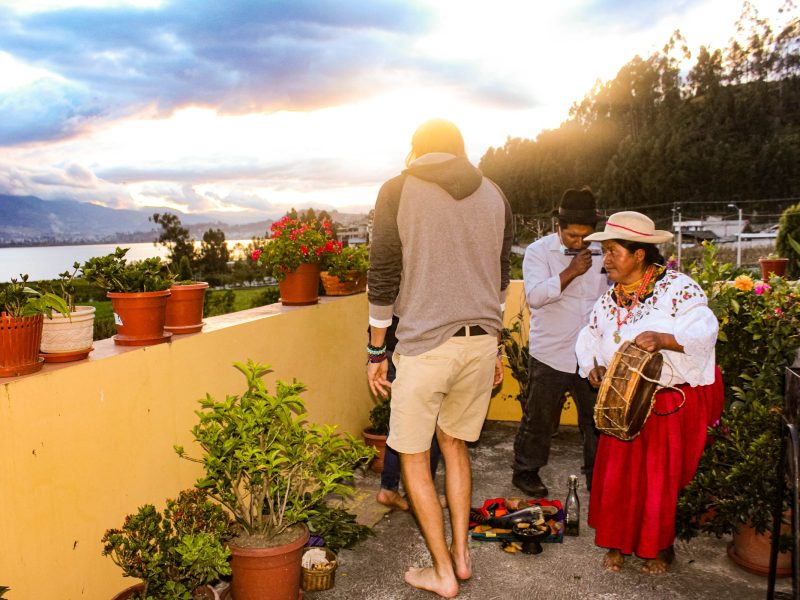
(46, 262)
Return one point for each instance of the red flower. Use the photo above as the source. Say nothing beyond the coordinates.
(304, 250)
(256, 253)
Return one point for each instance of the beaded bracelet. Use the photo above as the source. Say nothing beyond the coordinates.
(376, 358)
(376, 350)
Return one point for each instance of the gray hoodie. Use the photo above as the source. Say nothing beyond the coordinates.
(439, 255)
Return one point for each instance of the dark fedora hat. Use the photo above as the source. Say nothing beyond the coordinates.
(578, 207)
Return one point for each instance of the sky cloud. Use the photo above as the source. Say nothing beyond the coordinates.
(237, 57)
(249, 105)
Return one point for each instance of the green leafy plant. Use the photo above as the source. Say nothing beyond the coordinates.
(347, 264)
(65, 286)
(219, 303)
(379, 416)
(759, 336)
(3, 590)
(17, 299)
(295, 241)
(515, 348)
(173, 552)
(337, 527)
(788, 232)
(114, 273)
(263, 462)
(271, 295)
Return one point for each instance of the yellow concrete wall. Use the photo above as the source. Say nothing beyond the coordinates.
(504, 405)
(84, 444)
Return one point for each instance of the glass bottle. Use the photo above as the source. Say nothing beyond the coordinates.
(572, 508)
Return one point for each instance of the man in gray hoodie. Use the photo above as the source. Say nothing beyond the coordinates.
(439, 260)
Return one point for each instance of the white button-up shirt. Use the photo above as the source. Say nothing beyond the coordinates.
(557, 316)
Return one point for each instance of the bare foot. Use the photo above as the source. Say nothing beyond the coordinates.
(613, 560)
(427, 579)
(392, 499)
(660, 564)
(462, 564)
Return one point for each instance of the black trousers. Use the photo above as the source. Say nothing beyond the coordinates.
(547, 387)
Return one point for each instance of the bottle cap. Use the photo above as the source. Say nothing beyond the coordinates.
(573, 479)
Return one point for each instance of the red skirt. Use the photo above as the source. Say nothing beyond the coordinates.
(635, 484)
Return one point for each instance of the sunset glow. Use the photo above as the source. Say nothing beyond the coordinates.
(185, 105)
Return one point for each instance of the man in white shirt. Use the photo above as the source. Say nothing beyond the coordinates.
(563, 280)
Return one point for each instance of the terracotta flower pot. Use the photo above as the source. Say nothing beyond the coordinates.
(65, 339)
(773, 266)
(139, 317)
(300, 287)
(750, 550)
(356, 283)
(185, 308)
(272, 573)
(378, 442)
(19, 345)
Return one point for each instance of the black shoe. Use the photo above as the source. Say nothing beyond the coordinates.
(530, 483)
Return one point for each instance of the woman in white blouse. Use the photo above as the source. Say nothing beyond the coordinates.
(636, 483)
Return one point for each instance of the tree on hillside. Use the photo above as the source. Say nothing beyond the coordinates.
(174, 236)
(727, 130)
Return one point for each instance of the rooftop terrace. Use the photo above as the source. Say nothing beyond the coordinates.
(568, 571)
(84, 444)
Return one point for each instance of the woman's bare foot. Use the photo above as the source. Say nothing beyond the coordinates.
(613, 560)
(660, 564)
(392, 499)
(462, 564)
(427, 578)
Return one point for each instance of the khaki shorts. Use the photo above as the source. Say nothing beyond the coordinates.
(449, 386)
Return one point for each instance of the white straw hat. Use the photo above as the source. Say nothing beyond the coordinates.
(632, 226)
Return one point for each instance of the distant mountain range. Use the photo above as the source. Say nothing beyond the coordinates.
(28, 220)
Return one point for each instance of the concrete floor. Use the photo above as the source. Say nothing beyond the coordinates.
(569, 571)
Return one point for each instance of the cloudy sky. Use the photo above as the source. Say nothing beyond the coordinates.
(252, 106)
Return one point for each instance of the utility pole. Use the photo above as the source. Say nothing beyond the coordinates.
(680, 232)
(738, 237)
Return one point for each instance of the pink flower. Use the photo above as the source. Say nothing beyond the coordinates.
(256, 253)
(304, 250)
(778, 312)
(761, 288)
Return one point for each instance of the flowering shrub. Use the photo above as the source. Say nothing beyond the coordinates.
(759, 336)
(295, 241)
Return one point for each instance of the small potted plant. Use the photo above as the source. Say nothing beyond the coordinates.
(68, 338)
(138, 292)
(174, 553)
(22, 312)
(293, 255)
(378, 431)
(772, 264)
(270, 469)
(185, 303)
(346, 271)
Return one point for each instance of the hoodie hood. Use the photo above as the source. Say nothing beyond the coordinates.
(454, 174)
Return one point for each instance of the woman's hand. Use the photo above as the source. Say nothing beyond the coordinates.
(653, 341)
(596, 376)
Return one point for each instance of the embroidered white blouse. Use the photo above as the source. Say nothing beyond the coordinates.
(677, 306)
